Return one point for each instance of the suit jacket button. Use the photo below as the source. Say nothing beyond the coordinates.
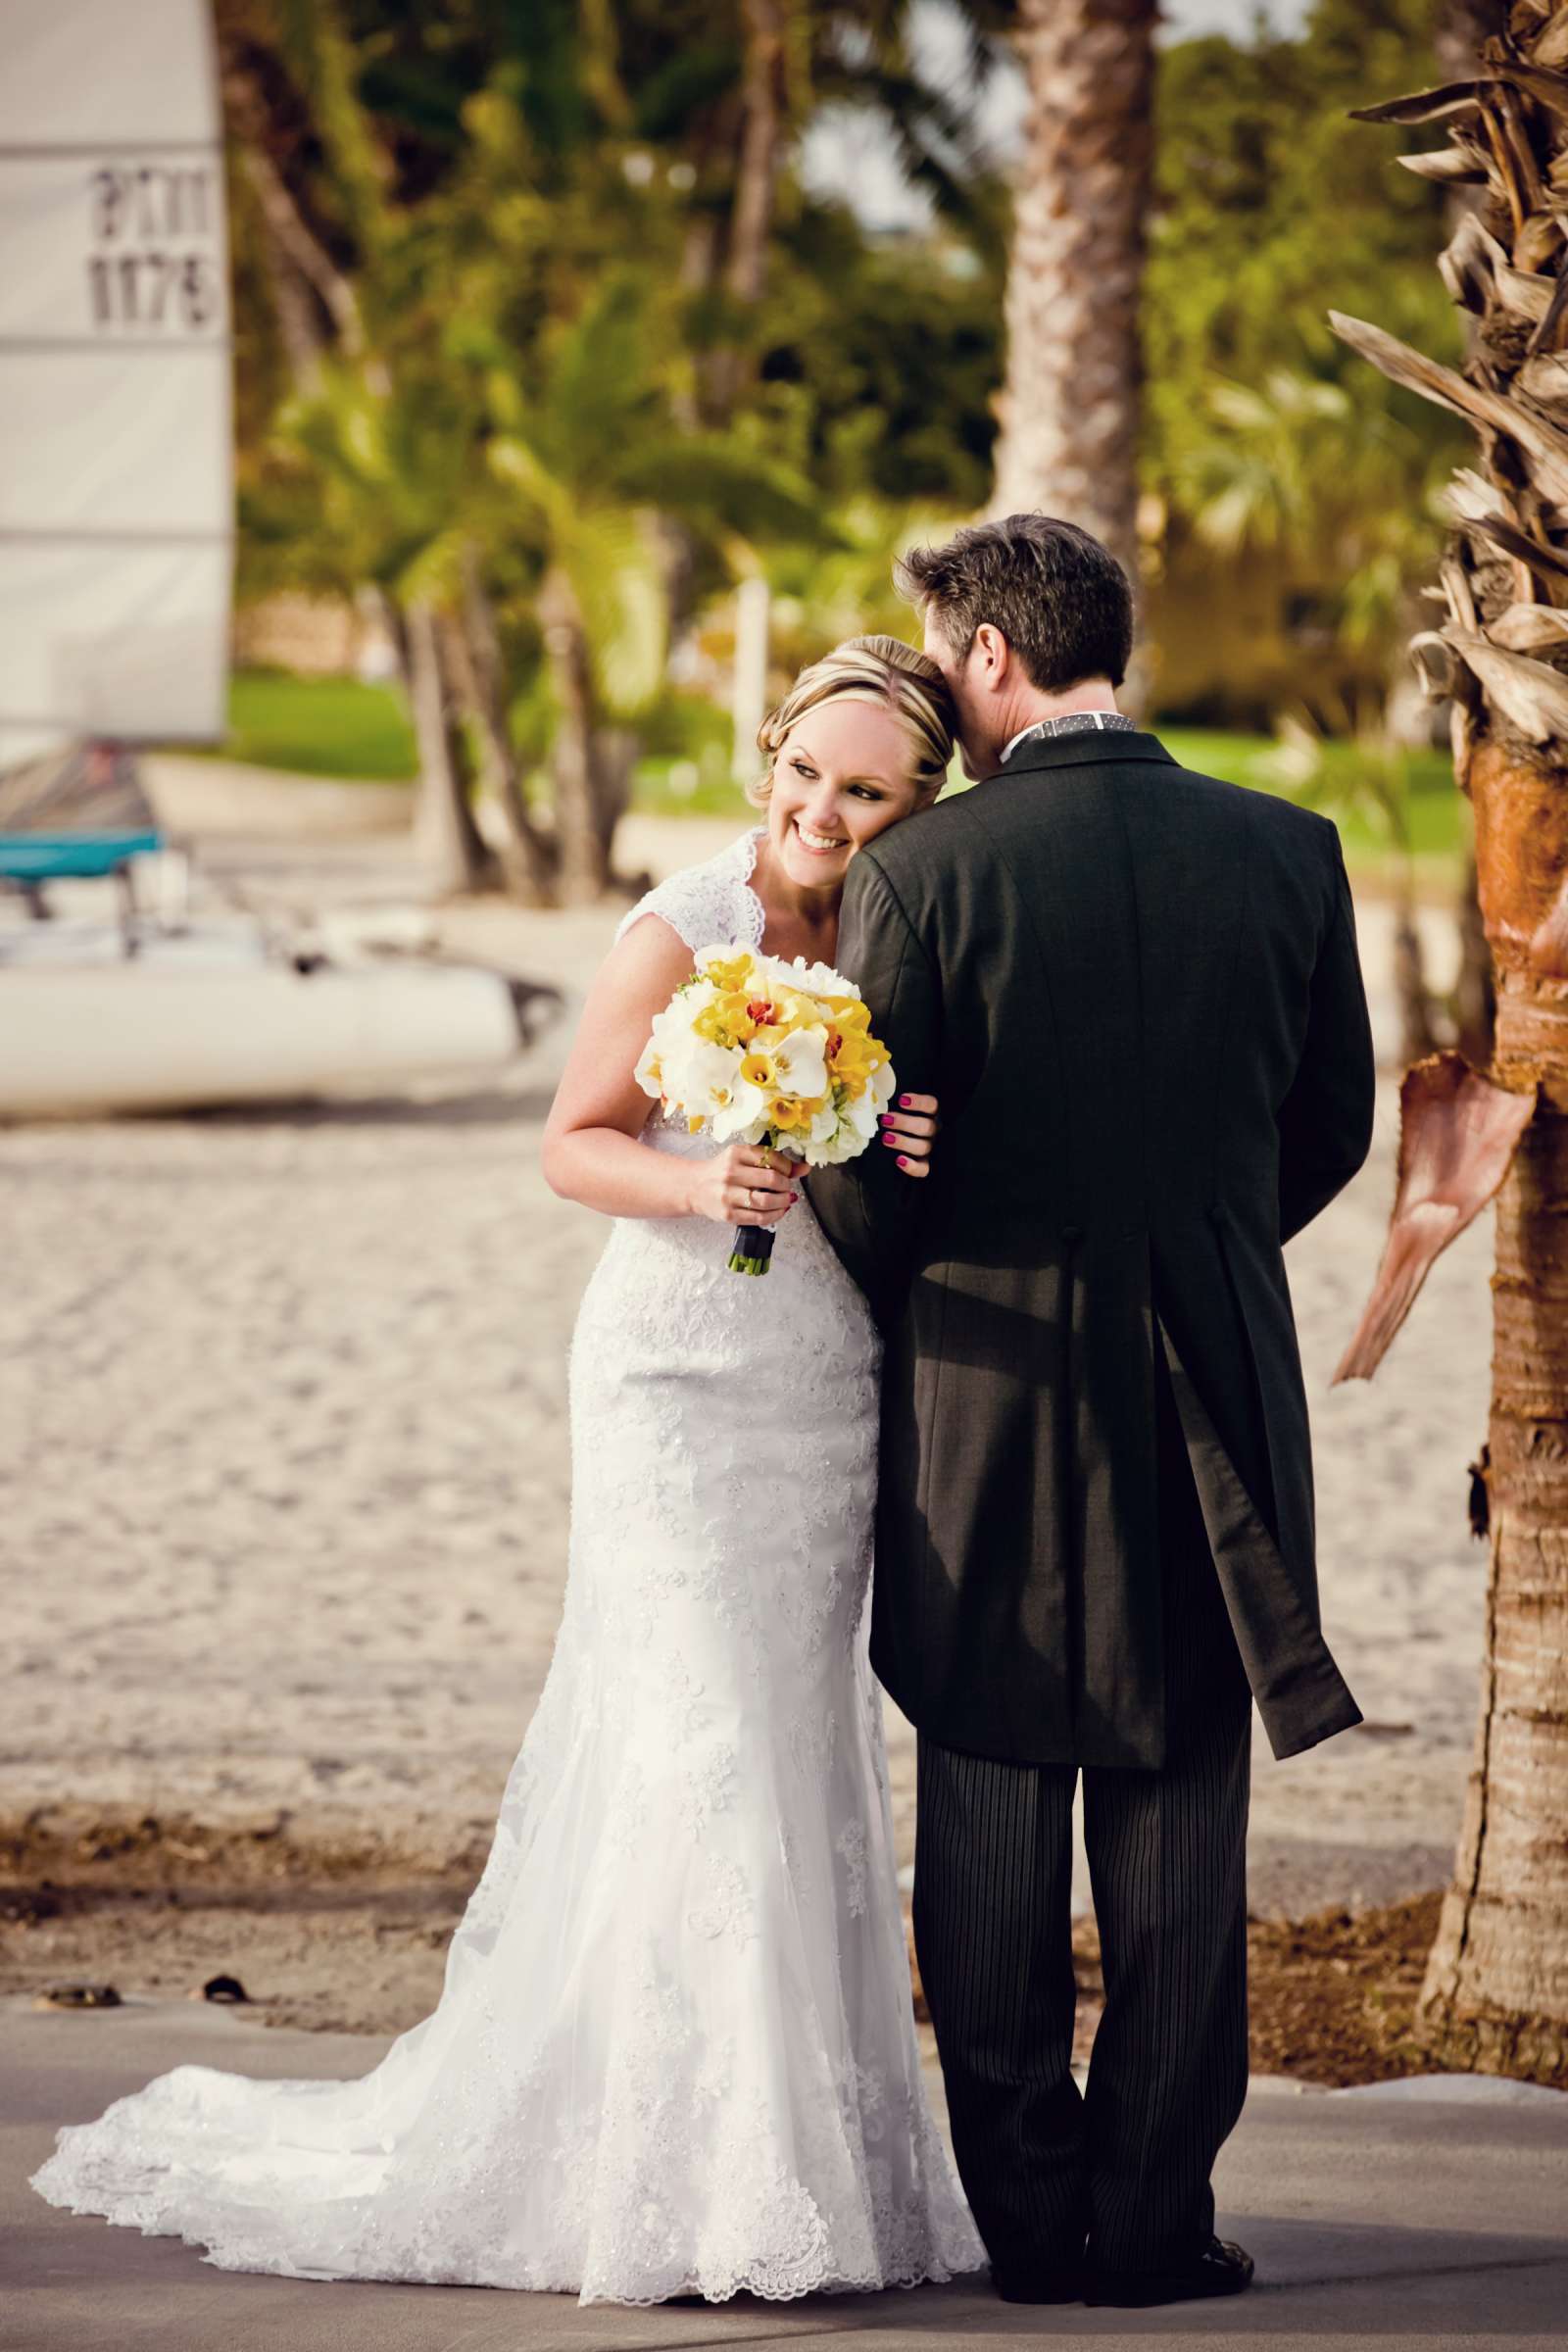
(1071, 1236)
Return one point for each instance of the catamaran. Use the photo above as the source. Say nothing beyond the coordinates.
(115, 560)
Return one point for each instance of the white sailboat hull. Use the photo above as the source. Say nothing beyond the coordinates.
(133, 1036)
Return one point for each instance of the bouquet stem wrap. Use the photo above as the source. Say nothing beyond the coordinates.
(755, 1051)
(751, 1250)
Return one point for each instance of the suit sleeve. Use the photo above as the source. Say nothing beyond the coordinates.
(869, 1209)
(1325, 1122)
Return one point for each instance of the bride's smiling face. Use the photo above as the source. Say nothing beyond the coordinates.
(841, 777)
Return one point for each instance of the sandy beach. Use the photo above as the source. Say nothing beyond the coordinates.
(284, 1455)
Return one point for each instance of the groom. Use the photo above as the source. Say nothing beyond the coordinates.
(1135, 991)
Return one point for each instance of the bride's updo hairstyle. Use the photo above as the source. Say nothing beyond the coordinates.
(882, 670)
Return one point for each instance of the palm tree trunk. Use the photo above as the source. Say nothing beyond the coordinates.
(1410, 991)
(584, 850)
(297, 258)
(616, 751)
(759, 151)
(1474, 994)
(1496, 1994)
(762, 136)
(481, 677)
(445, 834)
(1070, 412)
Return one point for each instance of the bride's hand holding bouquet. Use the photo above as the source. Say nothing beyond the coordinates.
(777, 1061)
(745, 1184)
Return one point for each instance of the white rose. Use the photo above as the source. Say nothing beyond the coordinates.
(821, 980)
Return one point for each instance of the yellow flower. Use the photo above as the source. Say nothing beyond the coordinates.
(760, 1069)
(853, 1057)
(729, 973)
(791, 1112)
(726, 1022)
(792, 1010)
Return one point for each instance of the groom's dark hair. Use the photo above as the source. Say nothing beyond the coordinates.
(1058, 595)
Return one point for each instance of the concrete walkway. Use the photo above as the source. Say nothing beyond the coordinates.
(1432, 2213)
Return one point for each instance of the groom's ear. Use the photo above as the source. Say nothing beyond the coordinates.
(992, 654)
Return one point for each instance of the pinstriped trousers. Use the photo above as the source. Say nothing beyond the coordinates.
(1127, 2163)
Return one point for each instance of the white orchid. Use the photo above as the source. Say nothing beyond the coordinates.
(801, 1062)
(709, 1078)
(746, 1118)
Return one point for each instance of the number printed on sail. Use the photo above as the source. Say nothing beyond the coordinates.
(127, 245)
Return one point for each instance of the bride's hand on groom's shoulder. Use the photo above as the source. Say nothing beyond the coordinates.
(909, 1129)
(744, 1185)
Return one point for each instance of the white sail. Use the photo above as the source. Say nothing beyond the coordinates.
(116, 434)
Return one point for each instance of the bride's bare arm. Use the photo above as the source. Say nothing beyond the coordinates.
(591, 1148)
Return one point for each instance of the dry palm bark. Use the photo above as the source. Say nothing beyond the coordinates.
(1496, 1996)
(1461, 27)
(1069, 413)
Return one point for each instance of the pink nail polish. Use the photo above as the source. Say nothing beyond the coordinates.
(903, 1162)
(904, 1100)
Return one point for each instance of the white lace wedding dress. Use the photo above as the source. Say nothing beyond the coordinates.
(675, 2053)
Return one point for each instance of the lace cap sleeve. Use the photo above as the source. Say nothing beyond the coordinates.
(709, 904)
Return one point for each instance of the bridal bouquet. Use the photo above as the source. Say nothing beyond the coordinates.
(764, 1051)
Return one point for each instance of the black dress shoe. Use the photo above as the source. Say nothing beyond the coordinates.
(1061, 2282)
(1223, 2267)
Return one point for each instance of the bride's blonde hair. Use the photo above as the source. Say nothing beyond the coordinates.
(887, 672)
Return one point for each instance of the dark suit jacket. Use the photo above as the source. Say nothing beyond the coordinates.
(1135, 991)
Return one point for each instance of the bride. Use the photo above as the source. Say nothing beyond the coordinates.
(675, 2053)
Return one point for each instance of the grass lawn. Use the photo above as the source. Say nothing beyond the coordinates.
(339, 727)
(1439, 817)
(319, 727)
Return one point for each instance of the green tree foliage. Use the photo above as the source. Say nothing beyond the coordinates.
(1270, 211)
(880, 361)
(517, 354)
